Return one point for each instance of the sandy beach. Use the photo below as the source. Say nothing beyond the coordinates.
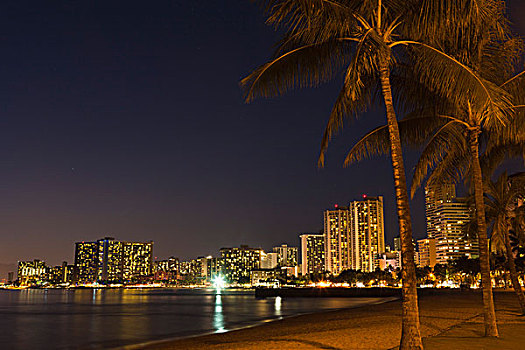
(448, 321)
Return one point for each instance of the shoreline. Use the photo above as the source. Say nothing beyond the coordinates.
(378, 326)
(153, 343)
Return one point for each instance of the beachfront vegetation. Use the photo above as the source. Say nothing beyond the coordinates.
(447, 65)
(501, 199)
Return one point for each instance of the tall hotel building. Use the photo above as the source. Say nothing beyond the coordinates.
(86, 261)
(367, 233)
(312, 253)
(109, 260)
(337, 240)
(137, 260)
(237, 263)
(447, 219)
(355, 235)
(286, 256)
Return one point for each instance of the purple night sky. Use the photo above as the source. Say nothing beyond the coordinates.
(125, 118)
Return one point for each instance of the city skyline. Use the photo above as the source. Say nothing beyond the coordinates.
(115, 123)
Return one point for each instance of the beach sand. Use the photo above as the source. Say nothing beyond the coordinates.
(450, 320)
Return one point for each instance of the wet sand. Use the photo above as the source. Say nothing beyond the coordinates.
(450, 320)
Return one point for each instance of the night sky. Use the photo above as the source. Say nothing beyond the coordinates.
(125, 119)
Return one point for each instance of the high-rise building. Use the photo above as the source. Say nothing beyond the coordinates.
(237, 263)
(287, 256)
(355, 235)
(210, 267)
(337, 240)
(86, 262)
(30, 272)
(367, 233)
(312, 253)
(110, 262)
(447, 219)
(269, 260)
(166, 270)
(397, 243)
(137, 260)
(427, 252)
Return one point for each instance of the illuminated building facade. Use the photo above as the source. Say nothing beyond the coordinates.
(210, 267)
(269, 260)
(312, 253)
(286, 256)
(447, 219)
(137, 260)
(166, 270)
(108, 261)
(367, 233)
(31, 272)
(337, 240)
(354, 236)
(86, 262)
(427, 252)
(237, 263)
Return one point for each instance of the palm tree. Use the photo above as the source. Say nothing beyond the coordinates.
(451, 134)
(367, 41)
(502, 196)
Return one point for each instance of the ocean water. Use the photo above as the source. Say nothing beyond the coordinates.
(109, 318)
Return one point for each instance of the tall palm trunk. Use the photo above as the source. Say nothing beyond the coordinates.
(410, 334)
(513, 273)
(489, 315)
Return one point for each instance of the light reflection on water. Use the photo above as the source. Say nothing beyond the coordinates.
(218, 318)
(102, 318)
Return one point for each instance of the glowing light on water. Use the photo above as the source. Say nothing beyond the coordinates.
(218, 318)
(278, 301)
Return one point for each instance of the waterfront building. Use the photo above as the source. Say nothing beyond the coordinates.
(137, 260)
(86, 262)
(10, 277)
(110, 261)
(287, 256)
(54, 275)
(390, 260)
(312, 253)
(447, 220)
(237, 263)
(367, 233)
(31, 272)
(264, 278)
(269, 260)
(337, 239)
(354, 235)
(210, 268)
(166, 270)
(190, 268)
(427, 252)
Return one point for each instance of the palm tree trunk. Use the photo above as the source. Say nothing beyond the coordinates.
(513, 273)
(410, 334)
(489, 315)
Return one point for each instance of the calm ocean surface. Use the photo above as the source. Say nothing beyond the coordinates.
(97, 319)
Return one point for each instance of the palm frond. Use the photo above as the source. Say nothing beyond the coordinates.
(305, 66)
(458, 83)
(413, 130)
